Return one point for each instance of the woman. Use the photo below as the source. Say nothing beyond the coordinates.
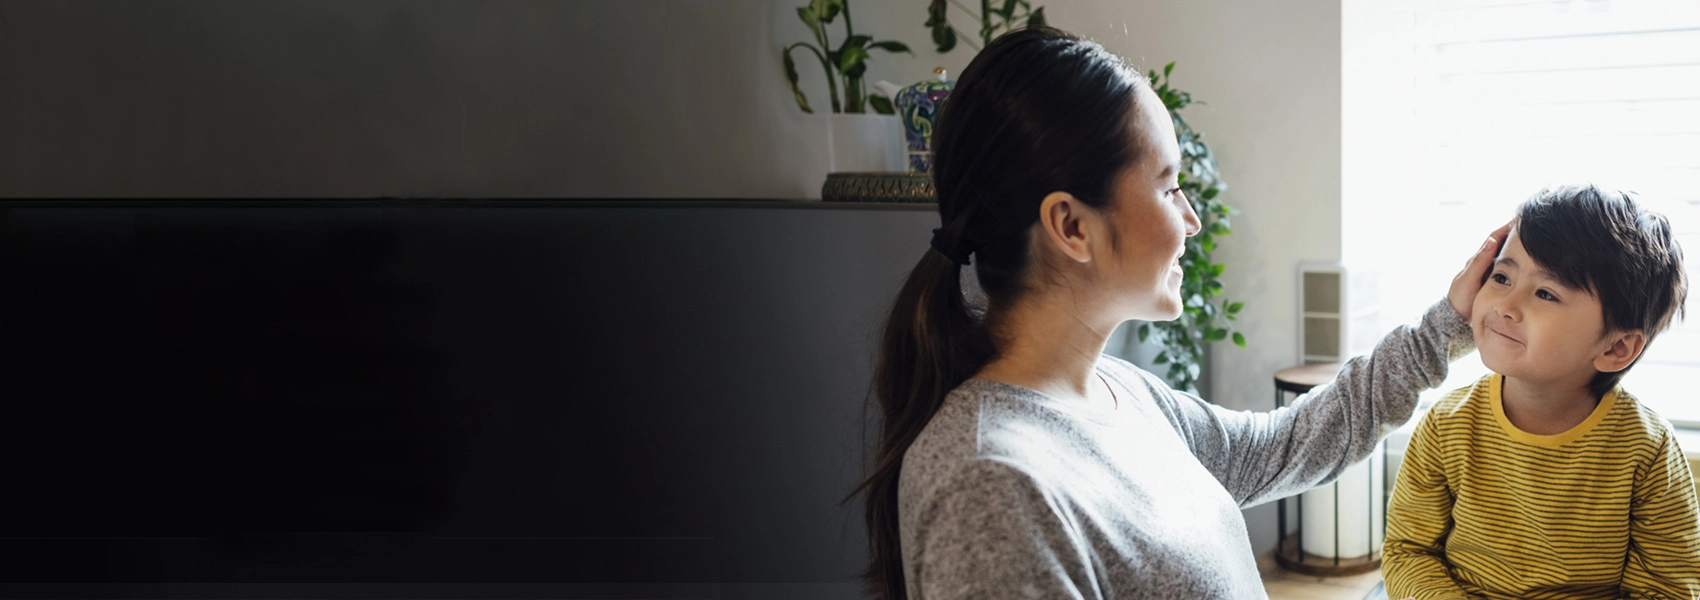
(1015, 460)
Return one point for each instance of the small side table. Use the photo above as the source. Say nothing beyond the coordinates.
(1289, 549)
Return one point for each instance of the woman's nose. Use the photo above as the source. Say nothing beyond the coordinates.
(1193, 225)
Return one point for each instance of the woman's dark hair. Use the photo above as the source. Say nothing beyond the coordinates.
(1037, 111)
(1607, 244)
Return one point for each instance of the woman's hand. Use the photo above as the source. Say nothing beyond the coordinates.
(1470, 280)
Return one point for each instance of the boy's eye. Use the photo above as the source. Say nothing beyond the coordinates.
(1171, 191)
(1501, 279)
(1545, 295)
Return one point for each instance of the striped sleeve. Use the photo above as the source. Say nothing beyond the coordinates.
(1664, 528)
(1418, 522)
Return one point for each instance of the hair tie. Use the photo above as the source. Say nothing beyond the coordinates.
(948, 239)
(950, 246)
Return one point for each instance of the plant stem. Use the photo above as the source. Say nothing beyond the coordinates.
(853, 102)
(986, 21)
(964, 38)
(959, 35)
(852, 96)
(965, 9)
(831, 86)
(831, 71)
(849, 30)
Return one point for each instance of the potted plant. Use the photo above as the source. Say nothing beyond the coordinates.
(858, 141)
(1206, 316)
(993, 21)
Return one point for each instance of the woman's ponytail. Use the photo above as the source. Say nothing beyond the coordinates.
(930, 345)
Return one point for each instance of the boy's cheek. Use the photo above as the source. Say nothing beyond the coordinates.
(1481, 306)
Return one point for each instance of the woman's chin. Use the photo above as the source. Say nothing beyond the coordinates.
(1167, 311)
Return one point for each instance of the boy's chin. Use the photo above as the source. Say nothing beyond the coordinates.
(1494, 362)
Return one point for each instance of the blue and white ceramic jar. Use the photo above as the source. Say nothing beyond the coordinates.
(919, 105)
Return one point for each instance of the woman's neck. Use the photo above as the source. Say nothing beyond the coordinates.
(1546, 408)
(1050, 348)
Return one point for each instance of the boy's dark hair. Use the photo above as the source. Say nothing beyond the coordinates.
(1606, 243)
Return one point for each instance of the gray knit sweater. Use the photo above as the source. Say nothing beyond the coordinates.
(1009, 493)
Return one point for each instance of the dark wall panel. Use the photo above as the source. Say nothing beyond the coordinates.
(440, 393)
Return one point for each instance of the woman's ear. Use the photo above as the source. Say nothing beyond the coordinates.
(1064, 224)
(1624, 347)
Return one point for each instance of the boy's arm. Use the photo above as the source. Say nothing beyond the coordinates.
(1418, 521)
(1664, 528)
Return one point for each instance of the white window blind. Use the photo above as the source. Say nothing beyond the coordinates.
(1458, 110)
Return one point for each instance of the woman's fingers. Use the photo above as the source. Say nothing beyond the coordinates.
(1469, 281)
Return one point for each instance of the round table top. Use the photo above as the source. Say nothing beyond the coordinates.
(1301, 378)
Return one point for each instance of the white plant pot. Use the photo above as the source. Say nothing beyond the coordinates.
(865, 143)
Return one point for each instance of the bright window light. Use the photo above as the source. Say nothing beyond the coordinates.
(1455, 111)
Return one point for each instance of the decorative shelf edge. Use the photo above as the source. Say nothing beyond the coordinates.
(907, 188)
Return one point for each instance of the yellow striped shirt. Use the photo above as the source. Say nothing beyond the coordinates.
(1483, 509)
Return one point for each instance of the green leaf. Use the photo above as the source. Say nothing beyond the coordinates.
(1168, 67)
(826, 10)
(945, 38)
(1008, 11)
(881, 104)
(850, 59)
(1239, 339)
(892, 47)
(1162, 359)
(936, 12)
(1144, 330)
(1037, 19)
(1216, 228)
(811, 19)
(1217, 269)
(1211, 192)
(791, 75)
(1234, 308)
(855, 41)
(1215, 334)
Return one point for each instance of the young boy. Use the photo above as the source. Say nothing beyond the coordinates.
(1544, 479)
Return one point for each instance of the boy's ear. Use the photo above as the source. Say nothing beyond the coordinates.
(1624, 348)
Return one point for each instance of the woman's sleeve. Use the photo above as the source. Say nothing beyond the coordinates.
(1418, 522)
(1261, 456)
(1664, 528)
(991, 531)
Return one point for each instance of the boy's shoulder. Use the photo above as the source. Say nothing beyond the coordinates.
(1639, 420)
(1470, 402)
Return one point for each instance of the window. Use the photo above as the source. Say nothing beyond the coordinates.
(1455, 111)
